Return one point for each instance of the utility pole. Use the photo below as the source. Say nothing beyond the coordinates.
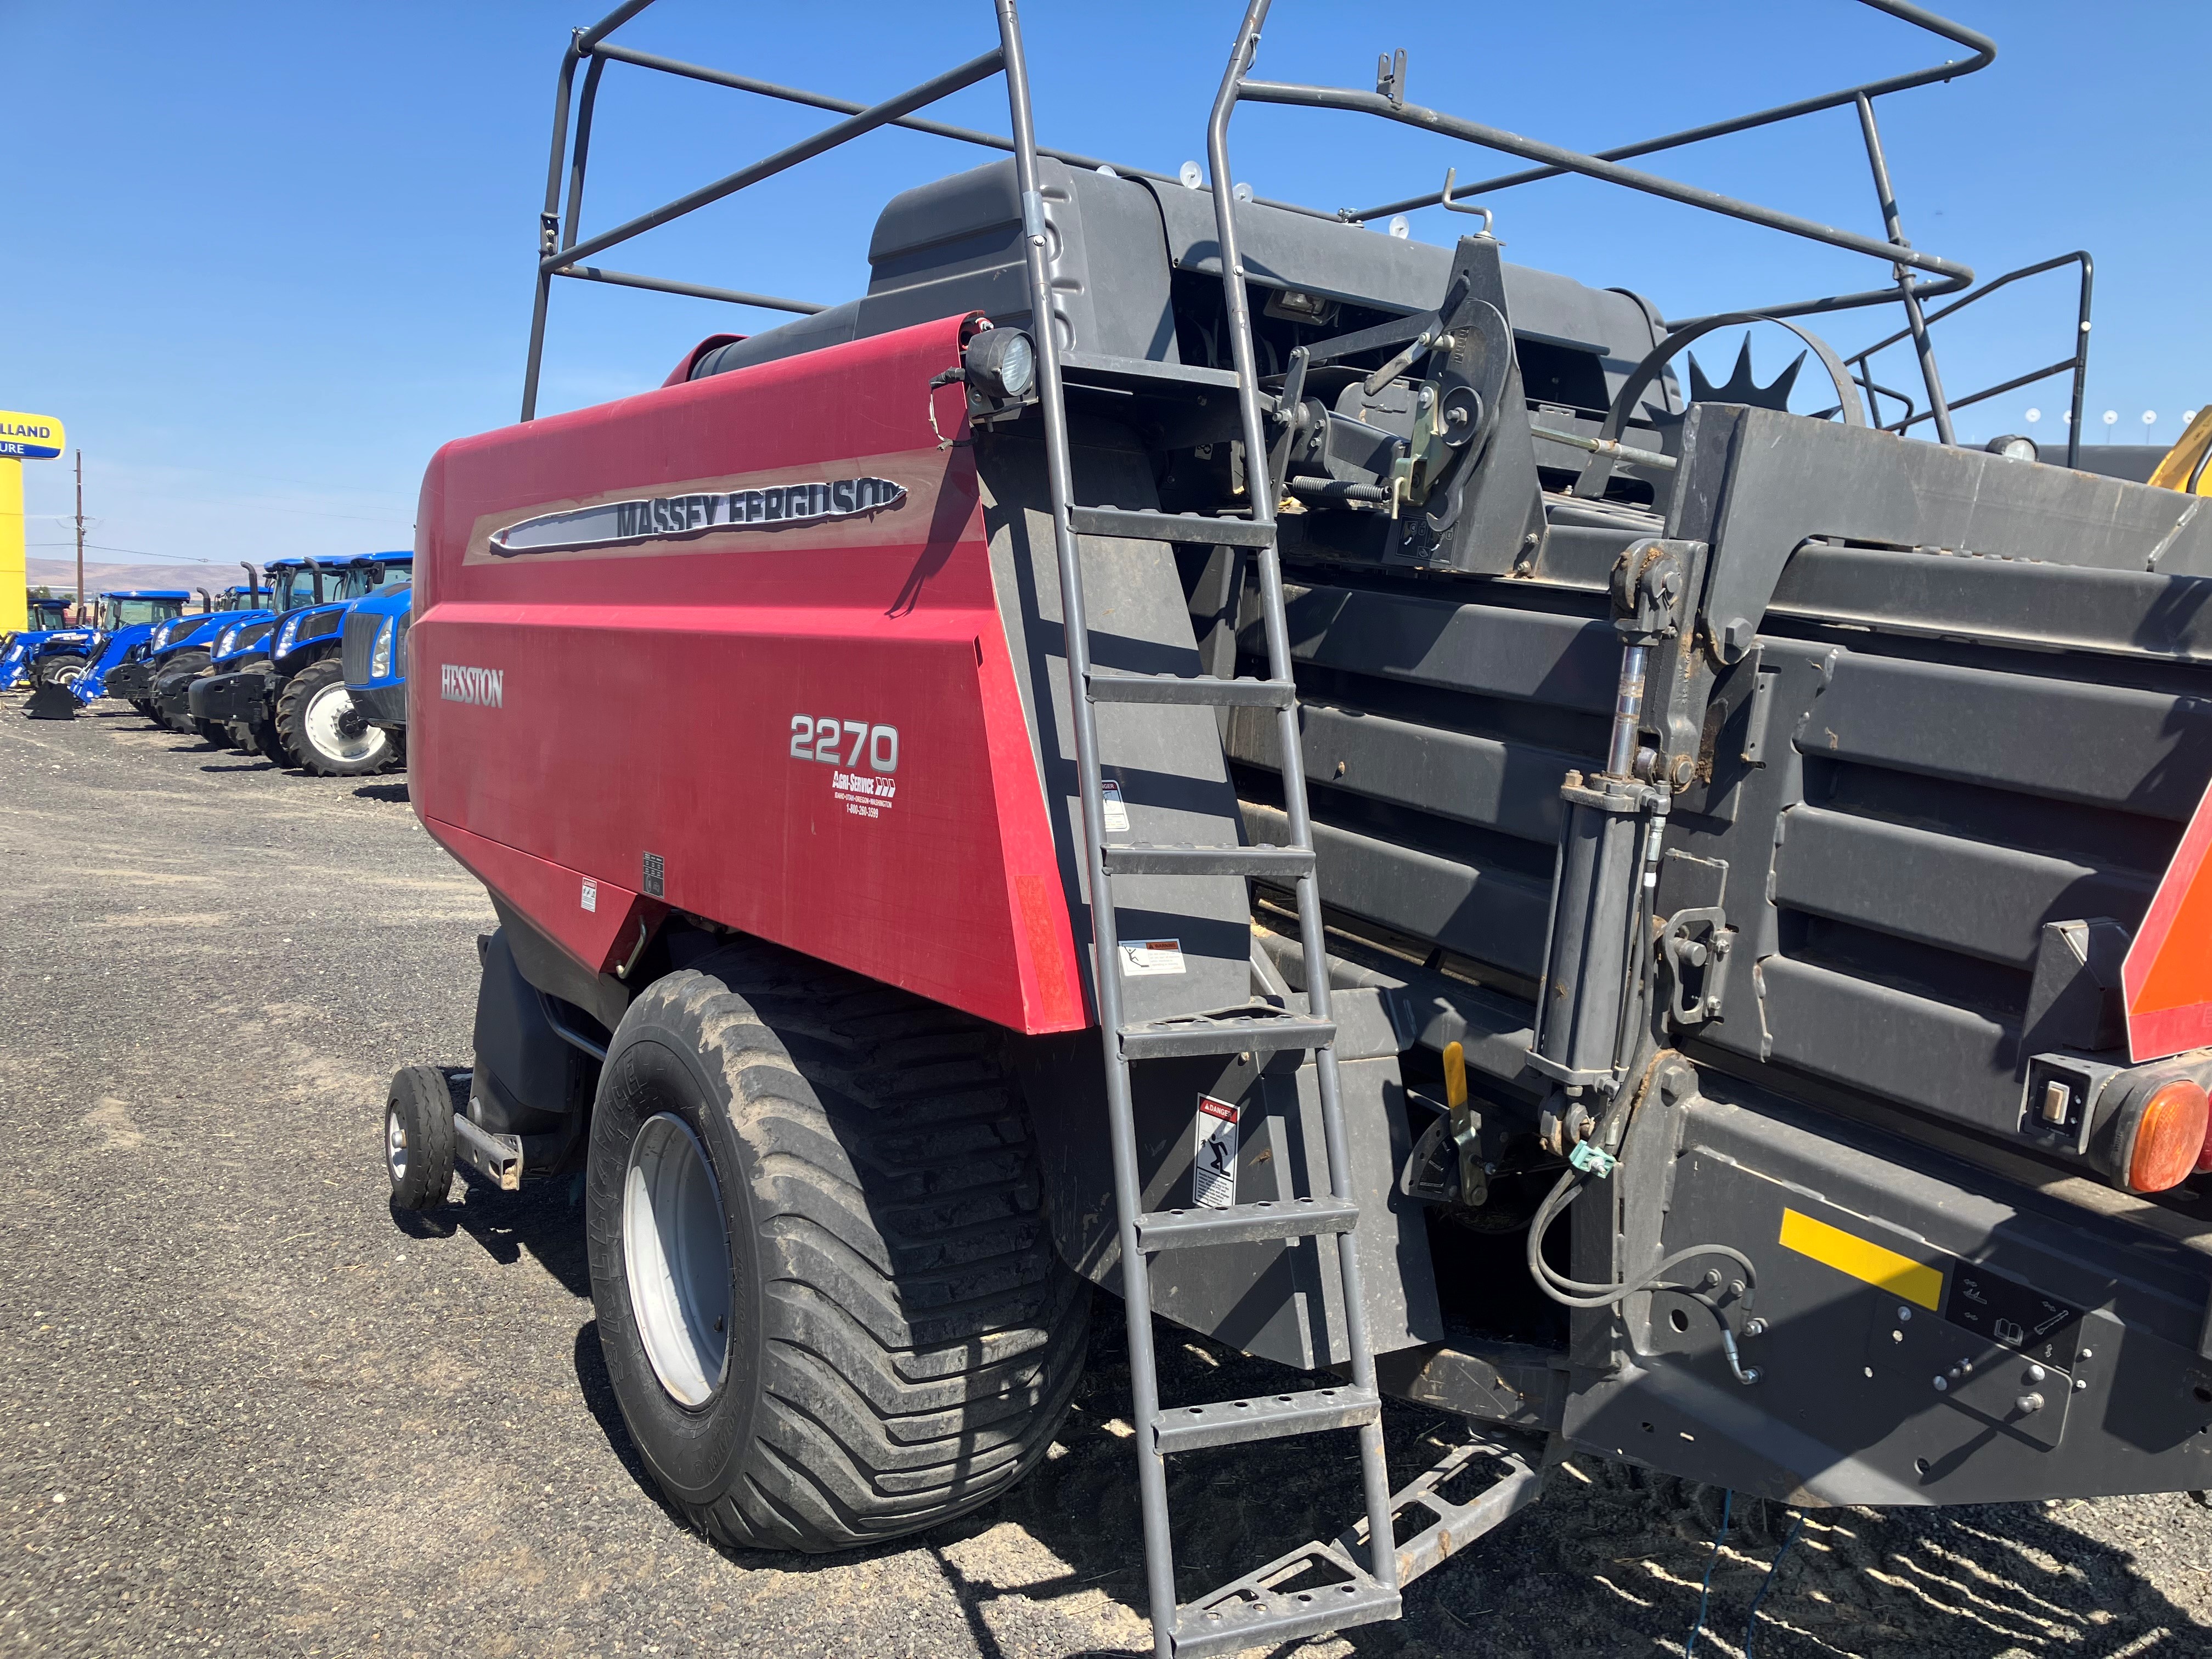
(80, 539)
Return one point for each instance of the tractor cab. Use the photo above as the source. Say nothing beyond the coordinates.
(135, 607)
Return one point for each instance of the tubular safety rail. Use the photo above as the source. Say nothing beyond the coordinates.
(2078, 363)
(560, 252)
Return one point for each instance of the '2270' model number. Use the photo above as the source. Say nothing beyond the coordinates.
(825, 739)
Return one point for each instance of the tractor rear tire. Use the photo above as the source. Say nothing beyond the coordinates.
(316, 716)
(418, 1137)
(65, 668)
(827, 1293)
(145, 706)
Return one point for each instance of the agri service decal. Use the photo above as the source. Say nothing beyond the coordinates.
(669, 517)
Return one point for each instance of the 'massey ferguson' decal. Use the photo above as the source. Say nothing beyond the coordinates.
(484, 687)
(667, 518)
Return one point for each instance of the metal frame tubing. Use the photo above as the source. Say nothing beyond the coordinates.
(1914, 320)
(1953, 275)
(1984, 48)
(2079, 362)
(1129, 1184)
(559, 248)
(1374, 1466)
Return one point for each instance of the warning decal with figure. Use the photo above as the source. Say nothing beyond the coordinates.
(1213, 1169)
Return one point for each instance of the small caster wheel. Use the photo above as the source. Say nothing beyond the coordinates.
(418, 1137)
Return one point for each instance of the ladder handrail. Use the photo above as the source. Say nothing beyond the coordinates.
(1258, 483)
(1129, 1182)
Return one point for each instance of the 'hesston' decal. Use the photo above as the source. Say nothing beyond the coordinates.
(670, 518)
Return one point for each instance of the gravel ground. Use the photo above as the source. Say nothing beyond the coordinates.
(242, 1409)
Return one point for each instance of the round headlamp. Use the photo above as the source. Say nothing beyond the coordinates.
(1001, 363)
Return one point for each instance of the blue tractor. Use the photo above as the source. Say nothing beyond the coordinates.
(290, 693)
(132, 613)
(241, 647)
(47, 617)
(374, 656)
(120, 667)
(182, 650)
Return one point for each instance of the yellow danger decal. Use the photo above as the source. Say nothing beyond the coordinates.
(1863, 1259)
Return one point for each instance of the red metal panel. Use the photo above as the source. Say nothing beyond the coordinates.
(2168, 975)
(649, 699)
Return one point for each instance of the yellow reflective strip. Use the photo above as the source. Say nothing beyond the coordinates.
(1863, 1259)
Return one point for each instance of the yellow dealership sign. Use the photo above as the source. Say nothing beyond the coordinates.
(22, 438)
(30, 437)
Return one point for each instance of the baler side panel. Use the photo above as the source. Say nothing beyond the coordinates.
(636, 705)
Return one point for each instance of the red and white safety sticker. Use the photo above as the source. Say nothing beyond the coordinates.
(1214, 1166)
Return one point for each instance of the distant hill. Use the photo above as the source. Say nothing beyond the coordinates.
(59, 575)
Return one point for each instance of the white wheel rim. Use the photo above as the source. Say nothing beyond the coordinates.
(69, 674)
(395, 1146)
(324, 710)
(676, 1257)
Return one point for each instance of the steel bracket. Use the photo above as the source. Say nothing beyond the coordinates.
(1695, 946)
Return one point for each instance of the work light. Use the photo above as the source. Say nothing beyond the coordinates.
(1001, 363)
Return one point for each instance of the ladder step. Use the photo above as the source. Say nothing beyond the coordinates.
(1265, 1417)
(1238, 1224)
(1203, 690)
(1516, 1471)
(1252, 1613)
(1170, 526)
(1259, 1030)
(1146, 858)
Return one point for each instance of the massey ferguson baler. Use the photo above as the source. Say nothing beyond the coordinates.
(1716, 889)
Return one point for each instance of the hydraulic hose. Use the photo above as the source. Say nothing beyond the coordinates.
(1577, 1294)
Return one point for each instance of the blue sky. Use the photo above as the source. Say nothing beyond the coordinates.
(265, 258)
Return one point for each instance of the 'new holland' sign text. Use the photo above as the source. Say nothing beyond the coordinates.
(30, 437)
(482, 686)
(666, 518)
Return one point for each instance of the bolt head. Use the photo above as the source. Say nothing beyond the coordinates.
(1904, 1315)
(1942, 1385)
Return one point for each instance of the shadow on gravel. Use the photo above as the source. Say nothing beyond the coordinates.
(390, 791)
(545, 1218)
(244, 766)
(1611, 1561)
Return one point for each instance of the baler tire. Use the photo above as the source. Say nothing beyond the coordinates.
(902, 1340)
(418, 1137)
(298, 717)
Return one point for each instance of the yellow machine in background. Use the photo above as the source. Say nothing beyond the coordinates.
(2184, 466)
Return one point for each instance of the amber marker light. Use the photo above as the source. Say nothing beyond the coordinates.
(2169, 1137)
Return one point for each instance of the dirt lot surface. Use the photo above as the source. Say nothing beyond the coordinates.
(242, 1410)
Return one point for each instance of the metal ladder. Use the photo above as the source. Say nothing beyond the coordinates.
(1268, 1606)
